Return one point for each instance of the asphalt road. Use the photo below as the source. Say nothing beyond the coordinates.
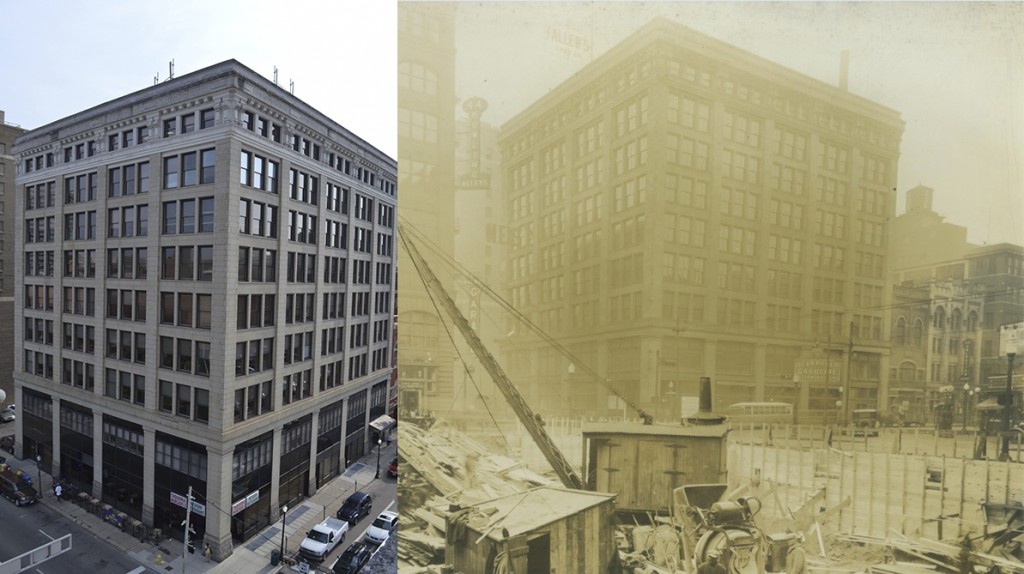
(26, 528)
(385, 494)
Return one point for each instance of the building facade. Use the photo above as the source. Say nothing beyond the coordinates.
(983, 283)
(8, 132)
(205, 285)
(426, 153)
(681, 208)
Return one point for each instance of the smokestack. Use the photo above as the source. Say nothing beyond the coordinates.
(704, 414)
(844, 70)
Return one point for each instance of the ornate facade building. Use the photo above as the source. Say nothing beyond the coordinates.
(205, 286)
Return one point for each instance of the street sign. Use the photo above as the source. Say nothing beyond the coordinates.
(818, 369)
(1011, 339)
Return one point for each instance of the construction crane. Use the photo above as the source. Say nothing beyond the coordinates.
(529, 419)
(644, 416)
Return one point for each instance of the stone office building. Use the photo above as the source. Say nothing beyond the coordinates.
(7, 215)
(682, 208)
(205, 286)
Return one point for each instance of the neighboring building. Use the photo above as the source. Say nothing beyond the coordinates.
(921, 240)
(426, 173)
(936, 331)
(205, 295)
(681, 208)
(8, 132)
(928, 252)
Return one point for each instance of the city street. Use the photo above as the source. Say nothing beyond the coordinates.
(28, 527)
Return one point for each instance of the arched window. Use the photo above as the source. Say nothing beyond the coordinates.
(917, 336)
(957, 319)
(939, 320)
(900, 335)
(907, 371)
(972, 321)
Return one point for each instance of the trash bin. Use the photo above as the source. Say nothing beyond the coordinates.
(275, 557)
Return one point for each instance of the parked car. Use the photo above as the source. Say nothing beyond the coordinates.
(353, 558)
(16, 489)
(8, 414)
(393, 468)
(356, 507)
(382, 527)
(7, 443)
(323, 538)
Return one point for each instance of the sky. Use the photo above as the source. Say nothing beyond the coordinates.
(954, 70)
(64, 56)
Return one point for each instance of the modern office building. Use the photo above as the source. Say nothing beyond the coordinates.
(8, 132)
(682, 208)
(205, 285)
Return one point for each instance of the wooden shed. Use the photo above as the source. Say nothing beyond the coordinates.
(642, 464)
(540, 530)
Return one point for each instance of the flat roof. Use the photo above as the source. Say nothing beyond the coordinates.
(656, 429)
(527, 511)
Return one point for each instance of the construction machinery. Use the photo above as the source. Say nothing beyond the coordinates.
(530, 420)
(725, 528)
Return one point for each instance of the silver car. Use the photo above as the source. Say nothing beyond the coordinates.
(382, 527)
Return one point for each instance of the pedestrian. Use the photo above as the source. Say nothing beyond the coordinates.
(57, 490)
(389, 439)
(796, 558)
(207, 551)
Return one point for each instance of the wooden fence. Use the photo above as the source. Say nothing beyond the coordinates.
(937, 497)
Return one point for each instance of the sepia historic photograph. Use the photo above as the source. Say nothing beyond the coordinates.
(710, 287)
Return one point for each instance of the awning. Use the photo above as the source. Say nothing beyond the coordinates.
(382, 422)
(989, 405)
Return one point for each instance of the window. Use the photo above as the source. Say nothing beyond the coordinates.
(171, 172)
(188, 123)
(206, 119)
(188, 169)
(170, 127)
(208, 165)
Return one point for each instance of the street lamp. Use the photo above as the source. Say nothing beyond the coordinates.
(967, 393)
(378, 458)
(284, 522)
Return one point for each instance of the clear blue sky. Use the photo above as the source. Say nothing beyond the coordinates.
(954, 70)
(63, 56)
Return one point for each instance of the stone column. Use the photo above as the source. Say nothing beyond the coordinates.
(275, 472)
(313, 432)
(218, 491)
(148, 474)
(97, 454)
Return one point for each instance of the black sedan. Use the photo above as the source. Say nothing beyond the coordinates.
(353, 559)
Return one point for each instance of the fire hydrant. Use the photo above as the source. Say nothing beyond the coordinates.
(159, 559)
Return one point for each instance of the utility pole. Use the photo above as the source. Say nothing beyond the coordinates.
(188, 528)
(849, 376)
(1004, 455)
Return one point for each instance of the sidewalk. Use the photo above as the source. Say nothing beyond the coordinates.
(252, 556)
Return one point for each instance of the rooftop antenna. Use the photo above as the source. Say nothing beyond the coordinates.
(275, 75)
(170, 65)
(156, 79)
(291, 87)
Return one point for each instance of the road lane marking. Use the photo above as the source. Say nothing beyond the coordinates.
(138, 570)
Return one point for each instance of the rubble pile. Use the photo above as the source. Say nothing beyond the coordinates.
(444, 469)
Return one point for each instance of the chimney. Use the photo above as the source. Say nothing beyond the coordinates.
(844, 70)
(704, 415)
